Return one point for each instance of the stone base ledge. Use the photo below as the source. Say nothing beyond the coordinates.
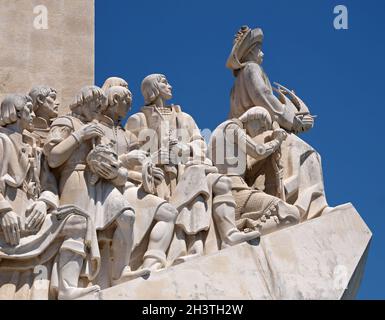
(322, 258)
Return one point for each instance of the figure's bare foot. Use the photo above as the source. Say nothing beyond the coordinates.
(239, 237)
(128, 274)
(72, 293)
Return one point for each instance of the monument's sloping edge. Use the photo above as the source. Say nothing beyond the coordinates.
(322, 258)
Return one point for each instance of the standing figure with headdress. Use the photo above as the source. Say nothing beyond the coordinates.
(303, 179)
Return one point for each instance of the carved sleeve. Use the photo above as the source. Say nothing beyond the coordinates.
(245, 143)
(260, 93)
(60, 144)
(49, 185)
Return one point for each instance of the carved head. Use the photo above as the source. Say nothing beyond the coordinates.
(89, 102)
(154, 86)
(247, 47)
(113, 82)
(17, 108)
(118, 102)
(256, 121)
(44, 102)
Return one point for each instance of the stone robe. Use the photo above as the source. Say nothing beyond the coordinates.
(145, 205)
(104, 200)
(181, 189)
(190, 178)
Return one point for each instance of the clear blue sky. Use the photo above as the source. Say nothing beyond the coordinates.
(339, 74)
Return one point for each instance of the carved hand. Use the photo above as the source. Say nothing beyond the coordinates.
(308, 122)
(158, 175)
(37, 214)
(134, 158)
(303, 123)
(106, 170)
(11, 227)
(89, 131)
(280, 135)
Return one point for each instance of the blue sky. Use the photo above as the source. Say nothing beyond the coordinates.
(339, 74)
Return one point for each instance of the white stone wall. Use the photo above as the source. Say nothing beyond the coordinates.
(61, 56)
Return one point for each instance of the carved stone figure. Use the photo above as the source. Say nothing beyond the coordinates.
(114, 82)
(68, 145)
(32, 232)
(45, 107)
(232, 146)
(192, 184)
(303, 180)
(88, 202)
(155, 217)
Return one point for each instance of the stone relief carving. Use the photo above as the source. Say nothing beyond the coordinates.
(97, 203)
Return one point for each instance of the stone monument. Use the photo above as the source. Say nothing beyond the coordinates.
(90, 209)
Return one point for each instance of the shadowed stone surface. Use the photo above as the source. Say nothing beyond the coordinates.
(317, 259)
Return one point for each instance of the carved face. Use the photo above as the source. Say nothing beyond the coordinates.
(91, 109)
(48, 106)
(26, 116)
(165, 89)
(256, 54)
(256, 126)
(122, 107)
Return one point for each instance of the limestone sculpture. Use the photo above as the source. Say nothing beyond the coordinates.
(92, 206)
(302, 172)
(255, 209)
(153, 214)
(70, 142)
(201, 195)
(32, 229)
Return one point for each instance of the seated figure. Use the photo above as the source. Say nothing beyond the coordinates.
(302, 170)
(234, 146)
